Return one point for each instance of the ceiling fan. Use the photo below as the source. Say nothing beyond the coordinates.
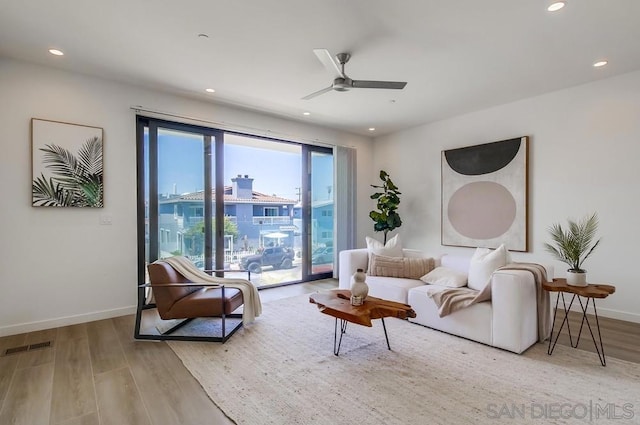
(344, 83)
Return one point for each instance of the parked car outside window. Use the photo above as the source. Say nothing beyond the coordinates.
(322, 255)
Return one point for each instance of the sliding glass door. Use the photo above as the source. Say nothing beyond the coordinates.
(234, 203)
(177, 185)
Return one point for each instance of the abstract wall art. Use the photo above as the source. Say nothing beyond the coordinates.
(66, 165)
(484, 195)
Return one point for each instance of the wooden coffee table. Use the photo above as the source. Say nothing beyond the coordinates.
(590, 293)
(337, 303)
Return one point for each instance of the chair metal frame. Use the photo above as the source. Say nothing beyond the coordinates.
(166, 336)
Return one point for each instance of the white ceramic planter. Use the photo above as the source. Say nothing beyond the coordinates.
(576, 279)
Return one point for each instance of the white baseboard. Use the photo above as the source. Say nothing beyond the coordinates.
(602, 312)
(616, 314)
(65, 321)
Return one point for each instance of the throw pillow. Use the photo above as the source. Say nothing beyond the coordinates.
(445, 276)
(483, 263)
(393, 248)
(403, 267)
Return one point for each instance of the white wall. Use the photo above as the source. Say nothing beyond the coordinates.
(59, 266)
(584, 157)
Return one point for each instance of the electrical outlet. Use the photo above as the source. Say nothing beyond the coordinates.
(106, 219)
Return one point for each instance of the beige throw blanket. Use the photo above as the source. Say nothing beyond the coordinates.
(453, 299)
(252, 305)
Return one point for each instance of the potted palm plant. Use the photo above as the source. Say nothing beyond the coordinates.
(386, 218)
(574, 245)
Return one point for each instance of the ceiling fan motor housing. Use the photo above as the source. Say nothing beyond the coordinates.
(342, 84)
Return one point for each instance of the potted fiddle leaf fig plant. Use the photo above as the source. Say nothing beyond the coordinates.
(386, 218)
(573, 245)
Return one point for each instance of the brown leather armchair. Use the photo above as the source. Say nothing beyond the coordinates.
(176, 297)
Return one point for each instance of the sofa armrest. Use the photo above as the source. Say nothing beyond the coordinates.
(349, 261)
(514, 308)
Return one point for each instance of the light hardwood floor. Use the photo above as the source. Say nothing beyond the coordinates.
(96, 373)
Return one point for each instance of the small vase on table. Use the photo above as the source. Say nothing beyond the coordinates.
(359, 287)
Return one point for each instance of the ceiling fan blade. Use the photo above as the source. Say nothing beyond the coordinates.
(328, 61)
(318, 93)
(363, 84)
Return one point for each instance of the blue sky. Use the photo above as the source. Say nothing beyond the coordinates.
(274, 171)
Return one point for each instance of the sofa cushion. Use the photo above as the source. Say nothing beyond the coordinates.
(474, 322)
(444, 276)
(393, 248)
(483, 263)
(404, 267)
(392, 288)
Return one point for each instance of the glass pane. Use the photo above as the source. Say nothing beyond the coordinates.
(181, 195)
(262, 200)
(145, 143)
(146, 197)
(321, 212)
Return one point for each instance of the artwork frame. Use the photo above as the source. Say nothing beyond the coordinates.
(485, 196)
(67, 167)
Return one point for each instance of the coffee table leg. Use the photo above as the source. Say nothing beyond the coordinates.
(385, 333)
(337, 342)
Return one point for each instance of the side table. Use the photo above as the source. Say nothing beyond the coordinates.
(590, 292)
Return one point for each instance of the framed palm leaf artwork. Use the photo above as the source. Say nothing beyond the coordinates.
(66, 164)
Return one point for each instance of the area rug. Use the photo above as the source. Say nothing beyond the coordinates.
(281, 370)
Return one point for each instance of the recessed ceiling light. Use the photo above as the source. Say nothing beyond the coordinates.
(372, 129)
(553, 7)
(56, 52)
(306, 113)
(203, 36)
(210, 90)
(600, 63)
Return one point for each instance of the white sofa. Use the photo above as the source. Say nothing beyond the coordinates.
(508, 321)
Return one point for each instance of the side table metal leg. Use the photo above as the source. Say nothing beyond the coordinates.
(553, 326)
(599, 350)
(552, 342)
(603, 361)
(584, 318)
(566, 315)
(338, 341)
(385, 333)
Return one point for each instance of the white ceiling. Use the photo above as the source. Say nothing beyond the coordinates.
(458, 56)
